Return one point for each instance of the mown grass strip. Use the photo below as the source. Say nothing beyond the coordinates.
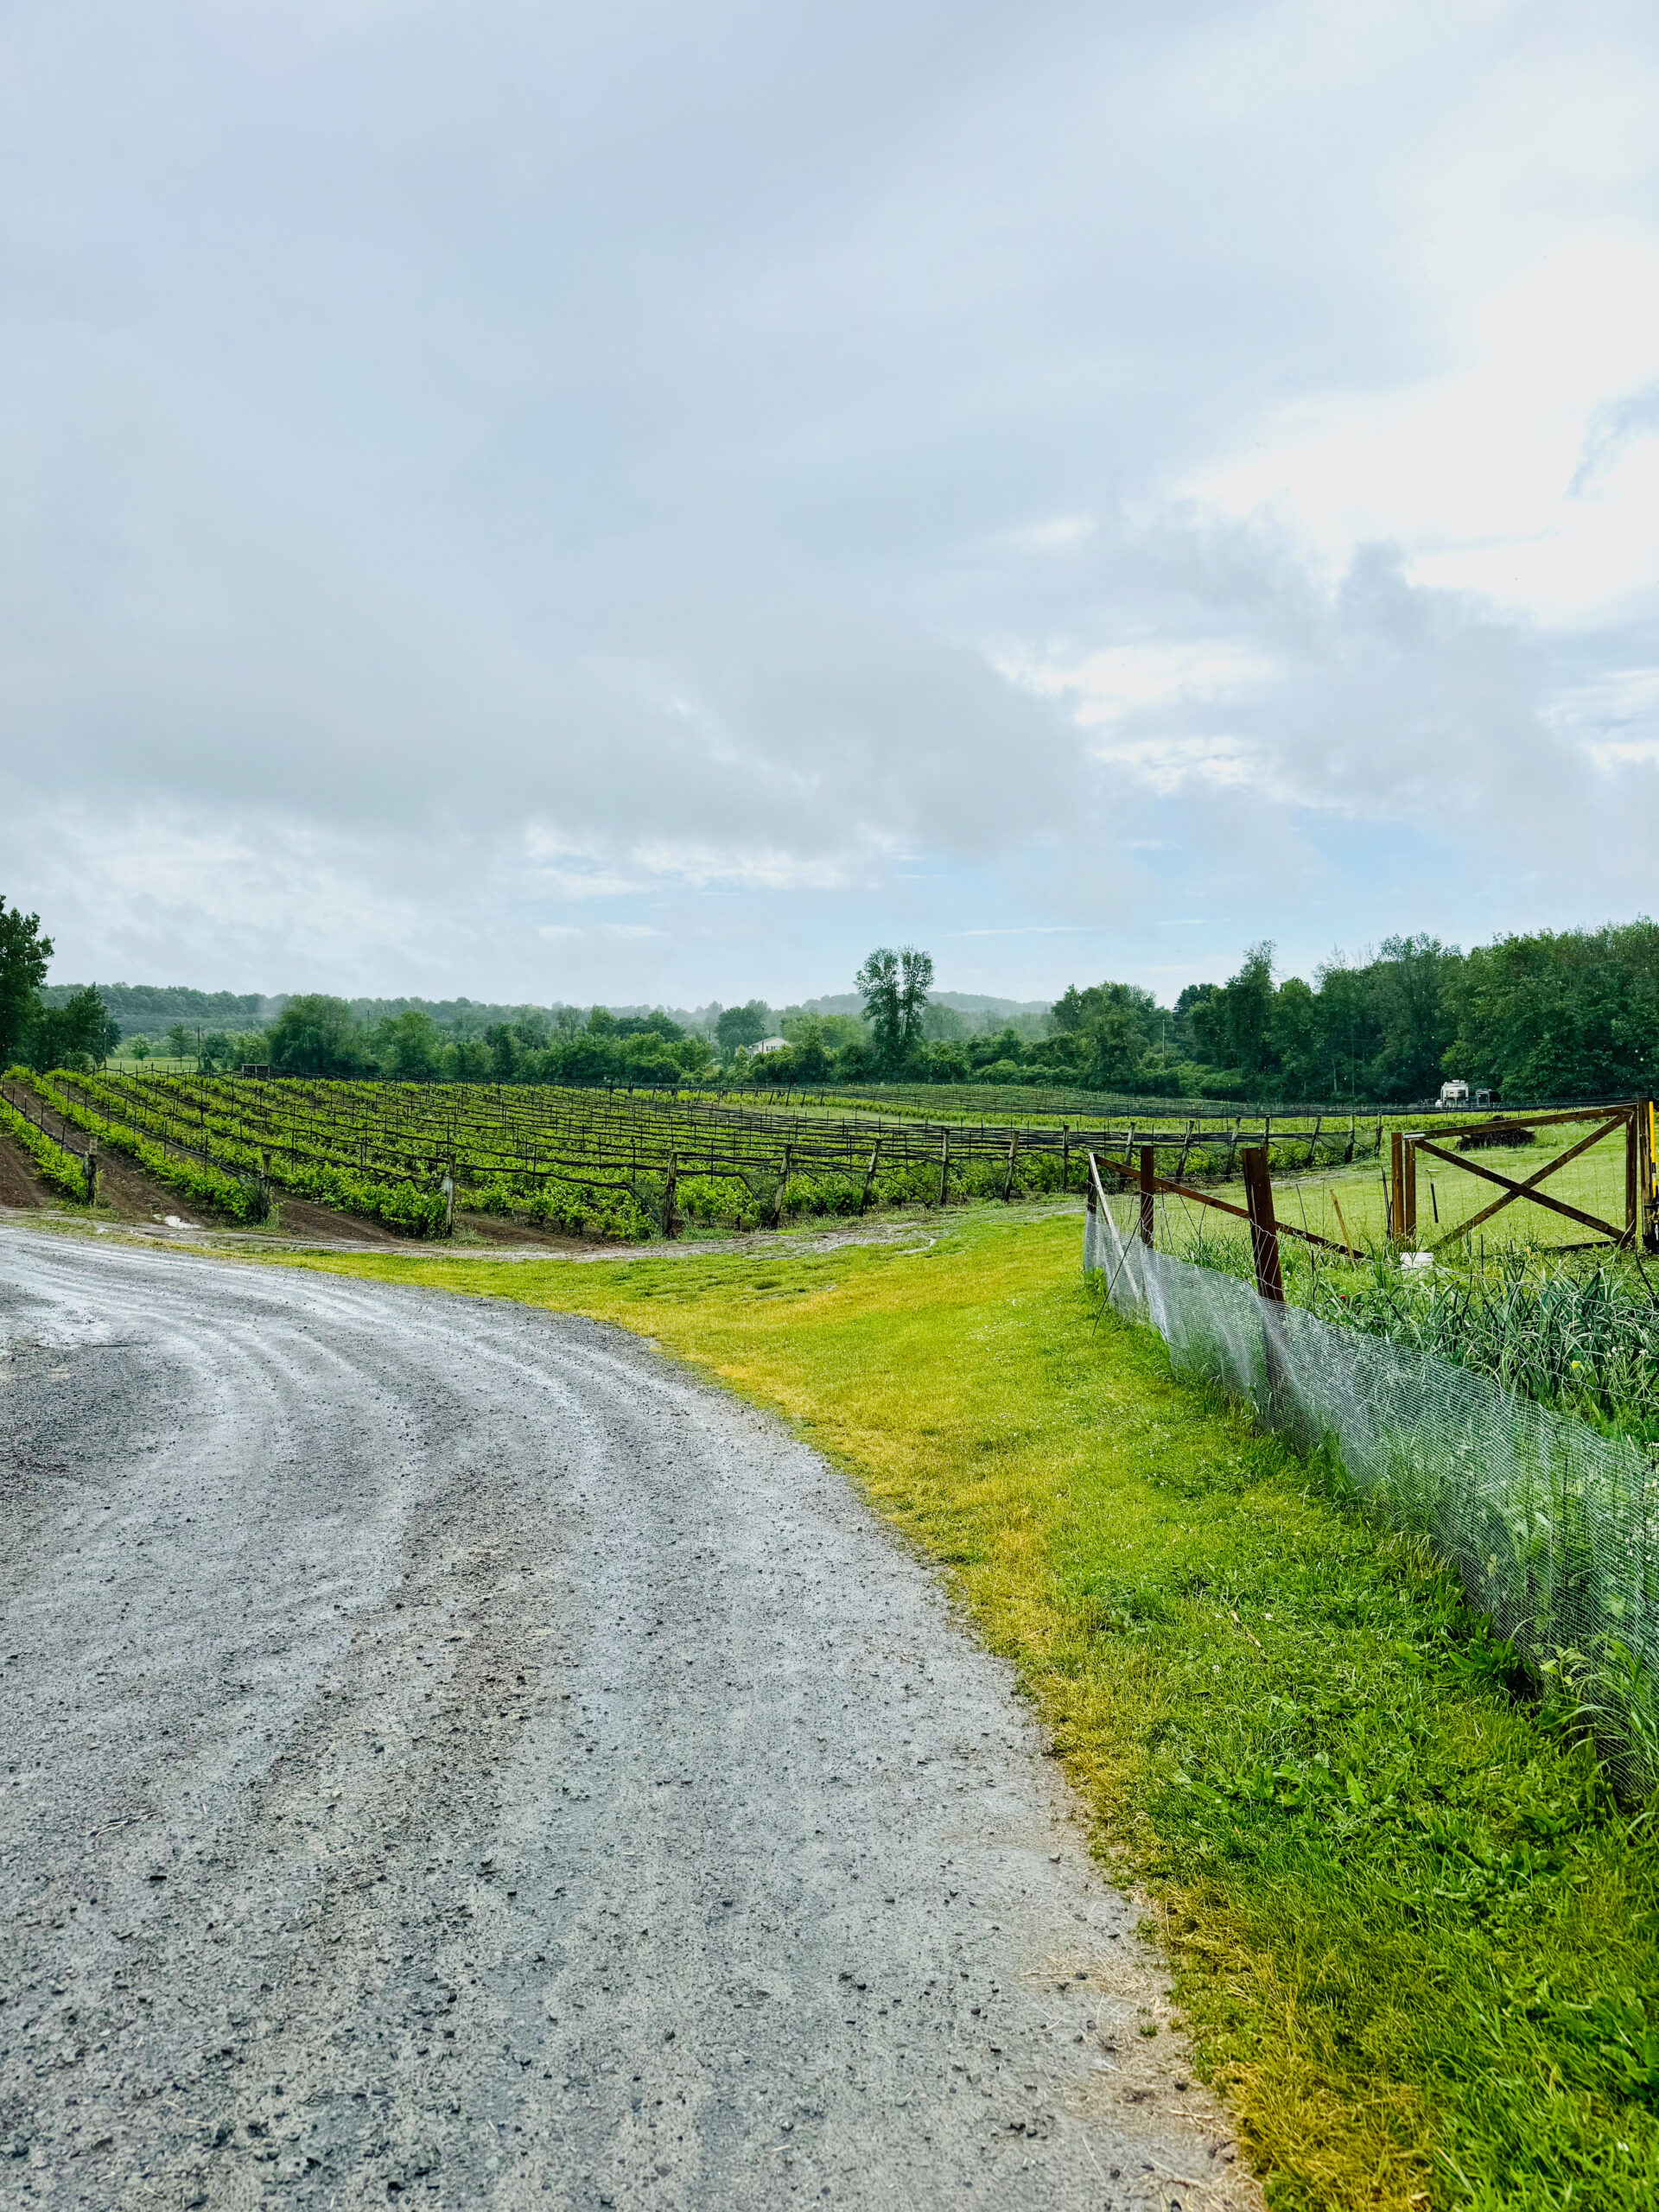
(1416, 1942)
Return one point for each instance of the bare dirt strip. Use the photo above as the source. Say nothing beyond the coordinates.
(19, 1185)
(450, 1754)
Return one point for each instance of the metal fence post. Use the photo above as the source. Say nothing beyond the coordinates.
(1633, 1177)
(1408, 1191)
(1148, 1176)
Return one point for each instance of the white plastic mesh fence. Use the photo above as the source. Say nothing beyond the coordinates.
(1552, 1529)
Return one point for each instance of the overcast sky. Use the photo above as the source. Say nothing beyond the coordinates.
(644, 501)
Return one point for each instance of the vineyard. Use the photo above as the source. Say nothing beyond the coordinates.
(625, 1165)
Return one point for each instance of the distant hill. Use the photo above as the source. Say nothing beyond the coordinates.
(151, 1009)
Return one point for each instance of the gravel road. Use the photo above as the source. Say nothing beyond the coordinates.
(449, 1756)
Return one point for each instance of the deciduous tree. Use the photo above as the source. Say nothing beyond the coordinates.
(23, 955)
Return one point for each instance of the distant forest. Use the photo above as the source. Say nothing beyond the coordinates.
(1566, 1014)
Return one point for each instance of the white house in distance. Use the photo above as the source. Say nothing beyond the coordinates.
(768, 1044)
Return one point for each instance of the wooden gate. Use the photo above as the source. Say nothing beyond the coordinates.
(1635, 1232)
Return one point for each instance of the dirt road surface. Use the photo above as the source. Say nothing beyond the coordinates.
(447, 1755)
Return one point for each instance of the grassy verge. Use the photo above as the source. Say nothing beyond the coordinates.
(1416, 1943)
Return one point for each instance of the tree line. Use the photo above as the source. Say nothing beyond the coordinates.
(1552, 1015)
(1571, 1013)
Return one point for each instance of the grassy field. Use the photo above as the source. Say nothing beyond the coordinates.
(1416, 1943)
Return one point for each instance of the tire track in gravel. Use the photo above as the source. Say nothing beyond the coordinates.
(451, 1755)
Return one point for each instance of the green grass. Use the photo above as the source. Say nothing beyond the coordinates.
(1416, 1942)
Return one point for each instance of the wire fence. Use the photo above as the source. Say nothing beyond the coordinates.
(1552, 1529)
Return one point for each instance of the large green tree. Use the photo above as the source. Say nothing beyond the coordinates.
(1116, 1032)
(23, 955)
(895, 987)
(737, 1026)
(317, 1035)
(1573, 1013)
(81, 1030)
(410, 1048)
(1233, 1026)
(878, 982)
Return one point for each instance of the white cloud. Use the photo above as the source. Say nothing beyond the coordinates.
(694, 492)
(1473, 473)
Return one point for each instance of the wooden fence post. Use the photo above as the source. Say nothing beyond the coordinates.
(1264, 1227)
(1148, 1176)
(1396, 1199)
(945, 1164)
(870, 1177)
(1008, 1186)
(668, 1194)
(90, 1167)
